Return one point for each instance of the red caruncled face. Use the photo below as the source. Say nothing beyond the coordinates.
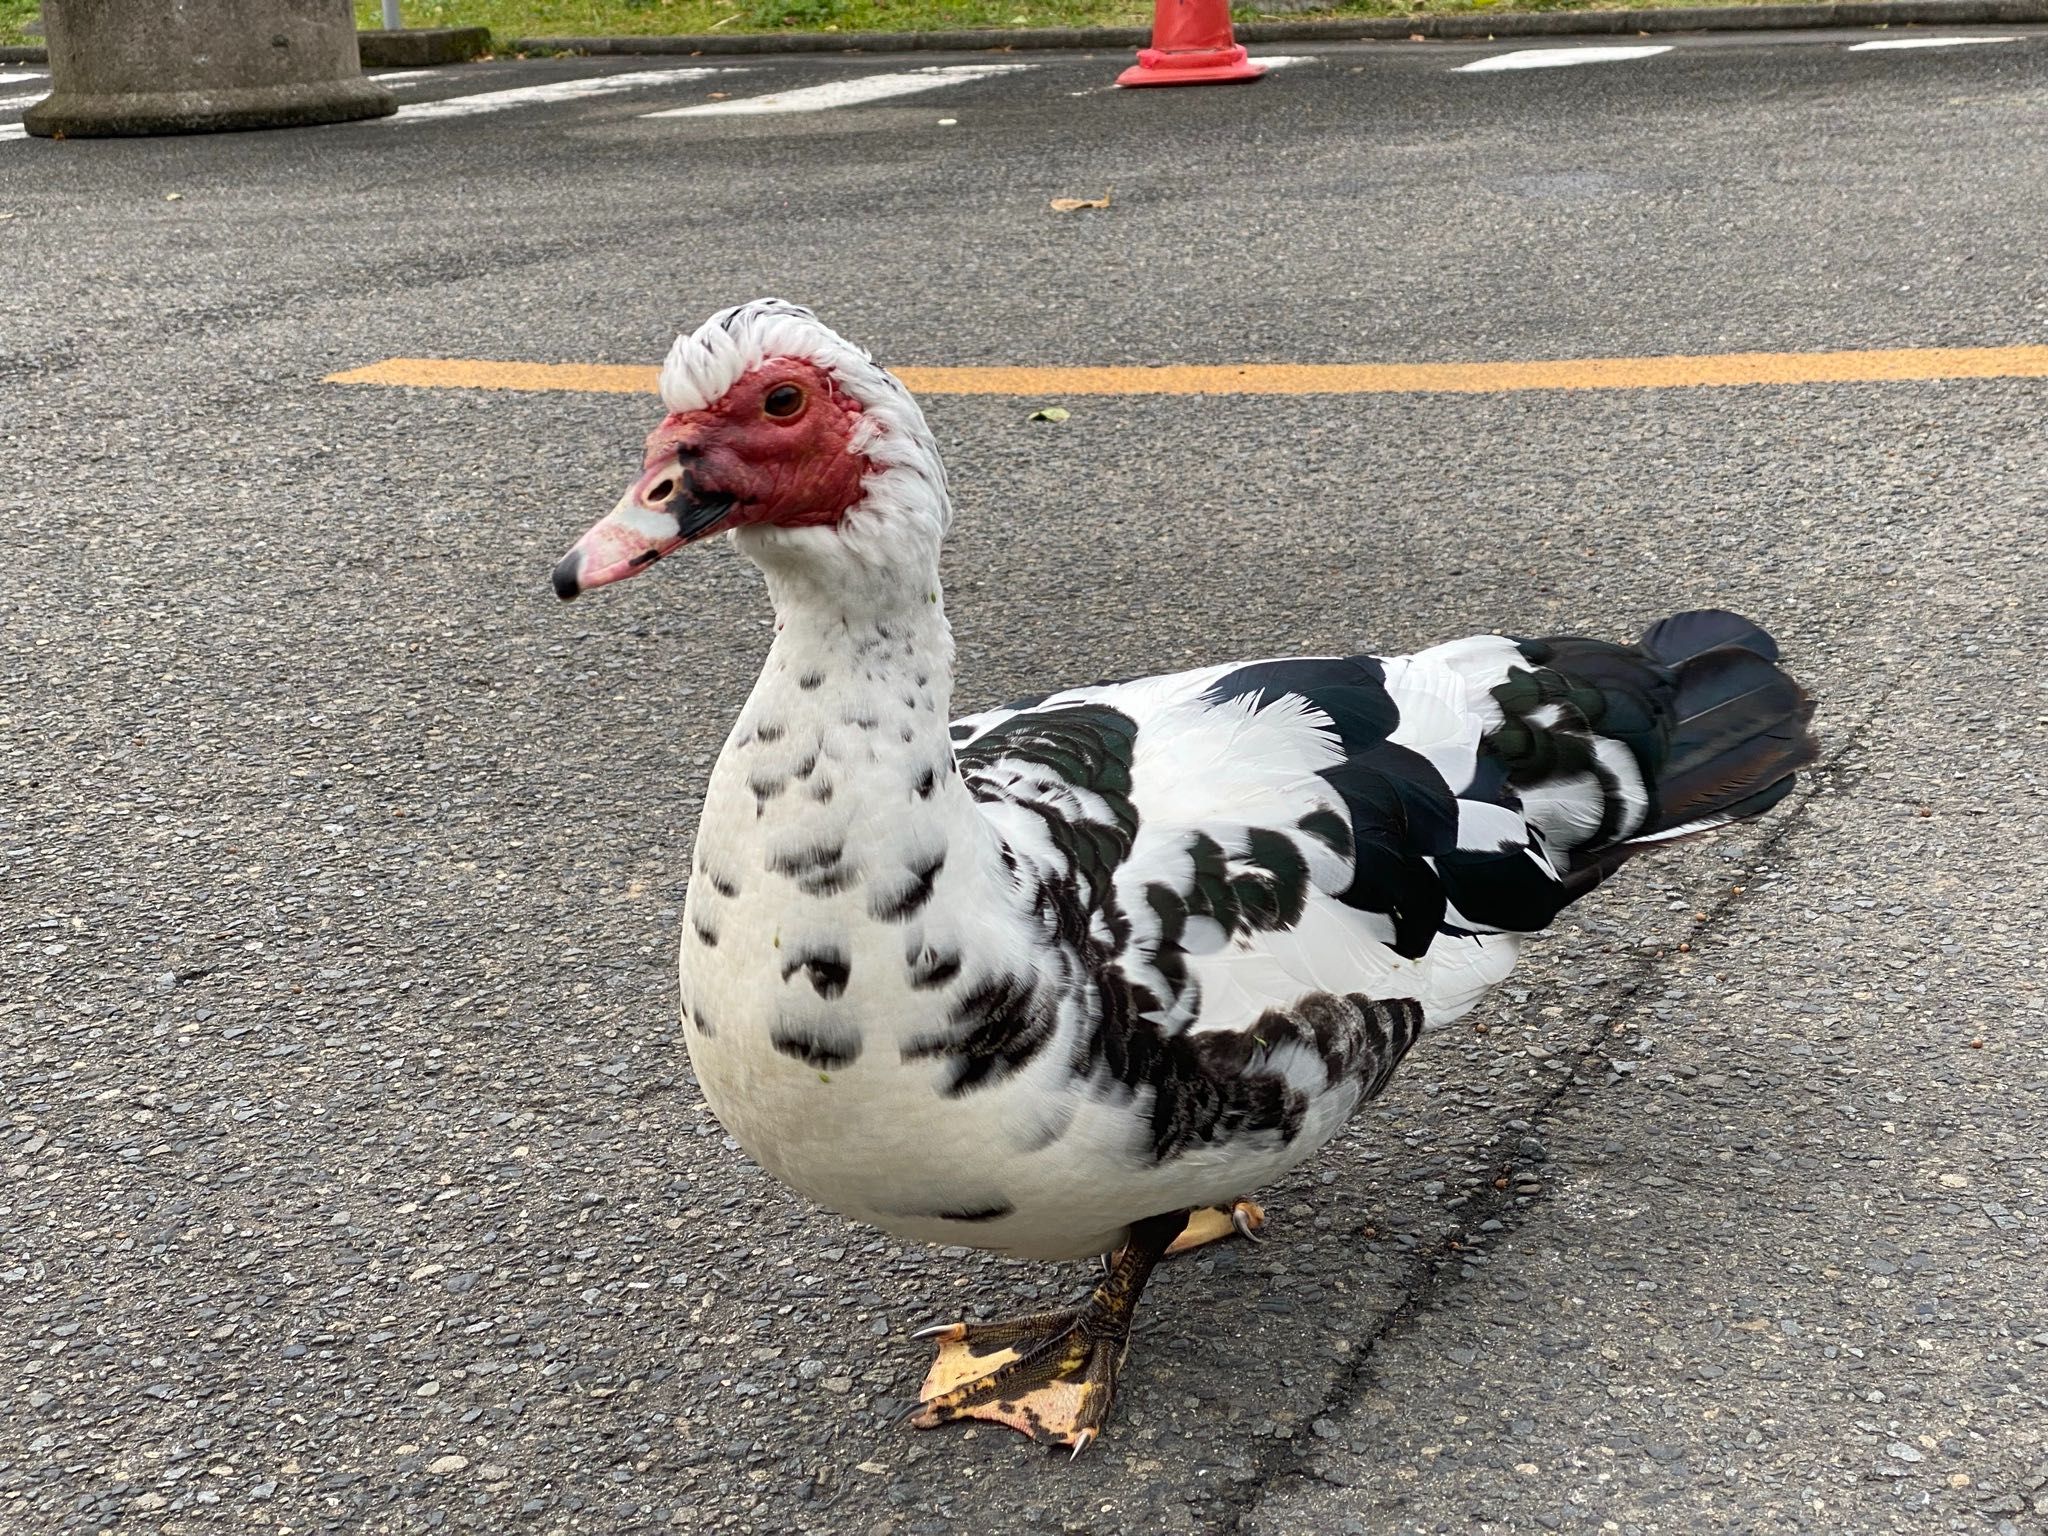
(776, 446)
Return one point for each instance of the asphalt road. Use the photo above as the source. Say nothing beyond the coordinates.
(352, 1177)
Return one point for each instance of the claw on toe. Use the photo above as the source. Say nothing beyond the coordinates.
(1214, 1223)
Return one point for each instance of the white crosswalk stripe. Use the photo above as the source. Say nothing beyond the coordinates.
(10, 103)
(844, 93)
(33, 74)
(544, 95)
(1559, 58)
(1925, 42)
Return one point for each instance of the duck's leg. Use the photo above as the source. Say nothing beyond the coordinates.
(1213, 1223)
(1052, 1376)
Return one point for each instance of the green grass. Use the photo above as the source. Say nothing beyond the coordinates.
(623, 18)
(15, 15)
(556, 18)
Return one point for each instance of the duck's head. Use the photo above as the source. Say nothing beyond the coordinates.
(788, 437)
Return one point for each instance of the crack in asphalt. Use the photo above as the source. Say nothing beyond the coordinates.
(1280, 1465)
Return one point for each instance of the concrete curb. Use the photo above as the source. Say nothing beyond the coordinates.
(1704, 18)
(24, 54)
(422, 47)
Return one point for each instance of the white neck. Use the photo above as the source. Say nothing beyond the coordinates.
(838, 815)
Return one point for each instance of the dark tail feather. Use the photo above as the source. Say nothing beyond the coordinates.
(1739, 728)
(1678, 639)
(1738, 735)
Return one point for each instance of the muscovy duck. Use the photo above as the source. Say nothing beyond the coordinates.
(1074, 976)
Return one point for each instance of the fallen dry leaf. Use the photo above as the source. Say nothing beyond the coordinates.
(1075, 204)
(1049, 413)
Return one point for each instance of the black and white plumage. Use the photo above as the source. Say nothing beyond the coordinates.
(1025, 979)
(1255, 885)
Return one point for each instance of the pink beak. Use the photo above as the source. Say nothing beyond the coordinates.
(662, 511)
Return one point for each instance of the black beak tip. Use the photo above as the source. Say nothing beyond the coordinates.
(569, 575)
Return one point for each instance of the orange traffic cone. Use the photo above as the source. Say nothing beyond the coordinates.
(1191, 45)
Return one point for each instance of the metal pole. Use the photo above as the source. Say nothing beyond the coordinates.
(390, 15)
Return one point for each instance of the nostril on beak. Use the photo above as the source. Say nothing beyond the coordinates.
(660, 493)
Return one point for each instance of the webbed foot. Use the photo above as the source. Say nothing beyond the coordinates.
(1051, 1376)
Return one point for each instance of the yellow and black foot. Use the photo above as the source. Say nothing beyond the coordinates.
(1214, 1223)
(1052, 1376)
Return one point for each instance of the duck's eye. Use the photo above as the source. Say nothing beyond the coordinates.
(784, 400)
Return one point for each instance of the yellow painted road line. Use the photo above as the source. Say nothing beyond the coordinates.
(1713, 370)
(461, 373)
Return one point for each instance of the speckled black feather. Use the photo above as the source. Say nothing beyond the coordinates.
(1401, 812)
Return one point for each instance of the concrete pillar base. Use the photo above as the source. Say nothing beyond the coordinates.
(124, 67)
(76, 116)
